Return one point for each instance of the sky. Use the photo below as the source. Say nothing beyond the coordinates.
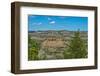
(44, 22)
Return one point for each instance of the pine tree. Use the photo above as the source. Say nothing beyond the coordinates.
(77, 47)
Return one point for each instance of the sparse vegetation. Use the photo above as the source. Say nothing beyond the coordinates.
(45, 45)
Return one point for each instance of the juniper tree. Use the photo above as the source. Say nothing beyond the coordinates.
(77, 47)
(33, 48)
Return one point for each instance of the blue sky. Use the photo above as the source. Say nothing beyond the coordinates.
(44, 22)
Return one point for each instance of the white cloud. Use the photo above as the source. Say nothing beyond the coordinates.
(52, 22)
(39, 23)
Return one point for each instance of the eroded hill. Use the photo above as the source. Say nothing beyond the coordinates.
(53, 43)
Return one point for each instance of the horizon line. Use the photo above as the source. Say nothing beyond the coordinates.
(56, 30)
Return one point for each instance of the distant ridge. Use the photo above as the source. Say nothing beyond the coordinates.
(54, 31)
(31, 31)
